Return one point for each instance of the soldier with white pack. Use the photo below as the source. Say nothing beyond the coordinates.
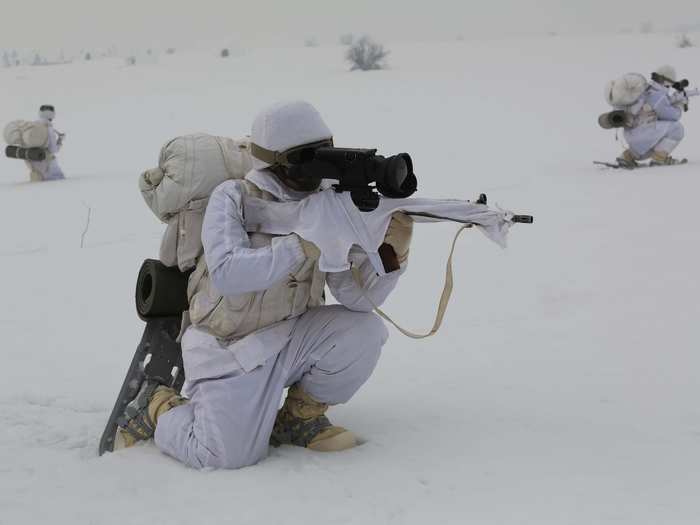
(236, 300)
(650, 113)
(36, 142)
(48, 169)
(258, 324)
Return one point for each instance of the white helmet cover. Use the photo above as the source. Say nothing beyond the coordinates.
(285, 125)
(668, 72)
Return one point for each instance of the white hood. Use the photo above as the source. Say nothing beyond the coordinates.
(285, 125)
(668, 72)
(47, 115)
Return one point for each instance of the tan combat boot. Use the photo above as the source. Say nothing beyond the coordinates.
(627, 160)
(140, 417)
(661, 158)
(301, 422)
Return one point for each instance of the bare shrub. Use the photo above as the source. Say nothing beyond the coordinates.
(225, 53)
(684, 41)
(366, 55)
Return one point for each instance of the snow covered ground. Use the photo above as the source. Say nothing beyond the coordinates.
(563, 388)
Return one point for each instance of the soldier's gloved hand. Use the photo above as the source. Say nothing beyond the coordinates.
(398, 237)
(311, 251)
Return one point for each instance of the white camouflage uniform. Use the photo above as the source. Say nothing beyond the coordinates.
(47, 169)
(657, 124)
(235, 386)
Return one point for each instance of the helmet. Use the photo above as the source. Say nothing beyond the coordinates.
(284, 126)
(667, 72)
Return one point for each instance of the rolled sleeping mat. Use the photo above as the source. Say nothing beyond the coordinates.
(161, 291)
(18, 152)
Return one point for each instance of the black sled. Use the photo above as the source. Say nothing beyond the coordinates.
(161, 297)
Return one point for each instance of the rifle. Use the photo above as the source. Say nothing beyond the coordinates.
(523, 219)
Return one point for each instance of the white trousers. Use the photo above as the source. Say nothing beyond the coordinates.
(45, 170)
(227, 423)
(663, 136)
(672, 139)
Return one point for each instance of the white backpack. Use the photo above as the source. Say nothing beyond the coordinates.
(27, 134)
(177, 191)
(626, 90)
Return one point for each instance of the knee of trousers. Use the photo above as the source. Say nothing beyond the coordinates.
(350, 362)
(371, 334)
(179, 436)
(233, 459)
(368, 331)
(676, 132)
(359, 337)
(239, 447)
(203, 459)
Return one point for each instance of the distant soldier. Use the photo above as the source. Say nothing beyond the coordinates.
(48, 169)
(655, 130)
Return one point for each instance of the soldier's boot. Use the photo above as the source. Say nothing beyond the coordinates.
(661, 158)
(302, 422)
(140, 417)
(627, 160)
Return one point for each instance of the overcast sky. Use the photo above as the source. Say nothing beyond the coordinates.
(51, 24)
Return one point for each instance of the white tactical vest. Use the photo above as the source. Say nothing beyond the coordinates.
(234, 317)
